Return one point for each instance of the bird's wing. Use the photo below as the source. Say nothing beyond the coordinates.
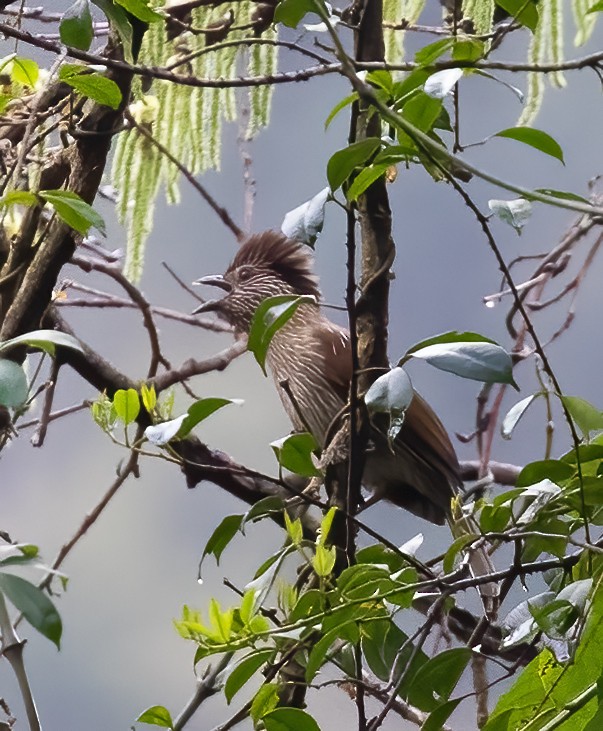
(336, 353)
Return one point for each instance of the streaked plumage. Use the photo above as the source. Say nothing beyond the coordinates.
(313, 355)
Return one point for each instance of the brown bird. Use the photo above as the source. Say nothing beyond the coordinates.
(313, 355)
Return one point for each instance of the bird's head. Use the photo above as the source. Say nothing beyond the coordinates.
(266, 265)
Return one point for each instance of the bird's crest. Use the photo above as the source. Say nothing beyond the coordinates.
(289, 259)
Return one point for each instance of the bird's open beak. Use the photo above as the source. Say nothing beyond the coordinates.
(214, 280)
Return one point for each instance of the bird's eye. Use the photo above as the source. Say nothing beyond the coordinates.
(245, 273)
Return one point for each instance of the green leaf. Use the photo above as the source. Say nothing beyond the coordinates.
(74, 211)
(452, 336)
(269, 318)
(365, 178)
(430, 53)
(546, 469)
(140, 9)
(118, 19)
(91, 84)
(535, 138)
(437, 678)
(25, 71)
(45, 340)
(524, 11)
(339, 106)
(294, 453)
(289, 719)
(457, 546)
(437, 717)
(514, 415)
(222, 536)
(324, 560)
(596, 8)
(587, 417)
(325, 526)
(469, 49)
(422, 110)
(13, 384)
(245, 670)
(200, 410)
(564, 195)
(267, 506)
(76, 28)
(37, 608)
(126, 405)
(343, 162)
(290, 12)
(469, 356)
(156, 716)
(265, 700)
(18, 197)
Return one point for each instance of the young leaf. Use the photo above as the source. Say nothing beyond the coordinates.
(156, 716)
(339, 106)
(149, 397)
(294, 529)
(289, 719)
(343, 162)
(535, 138)
(323, 560)
(480, 361)
(514, 415)
(514, 212)
(45, 340)
(430, 53)
(37, 608)
(126, 405)
(245, 670)
(294, 453)
(265, 700)
(270, 316)
(325, 526)
(25, 71)
(305, 222)
(91, 84)
(13, 384)
(76, 26)
(18, 197)
(74, 211)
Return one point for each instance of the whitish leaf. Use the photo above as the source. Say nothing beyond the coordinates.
(294, 453)
(161, 434)
(391, 394)
(76, 26)
(411, 547)
(37, 608)
(479, 361)
(514, 212)
(156, 716)
(305, 222)
(514, 415)
(270, 316)
(126, 404)
(91, 84)
(45, 340)
(13, 384)
(74, 211)
(535, 138)
(440, 84)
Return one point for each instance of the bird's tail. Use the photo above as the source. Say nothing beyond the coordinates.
(480, 563)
